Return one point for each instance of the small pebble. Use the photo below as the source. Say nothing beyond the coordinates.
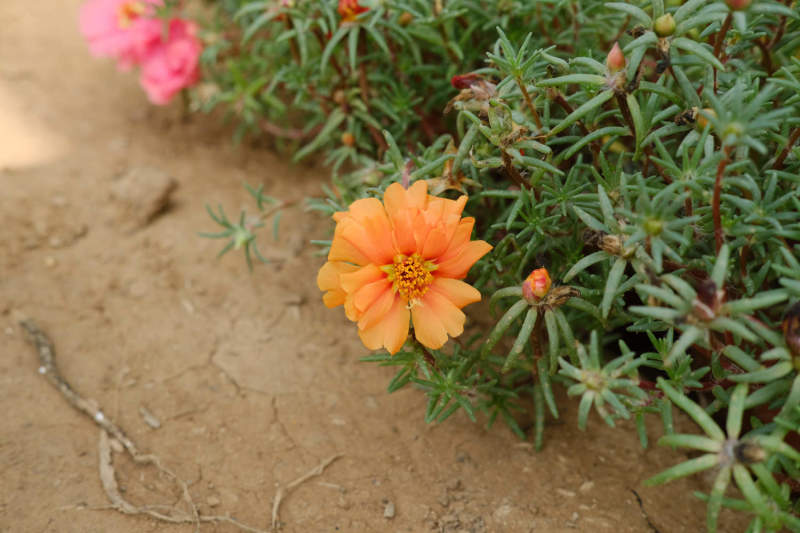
(212, 501)
(187, 305)
(50, 261)
(388, 511)
(149, 418)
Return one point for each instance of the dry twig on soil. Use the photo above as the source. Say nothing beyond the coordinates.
(49, 369)
(283, 491)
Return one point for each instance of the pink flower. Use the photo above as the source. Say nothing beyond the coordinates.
(172, 64)
(122, 29)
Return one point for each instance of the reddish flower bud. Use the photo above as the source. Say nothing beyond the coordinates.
(349, 10)
(405, 18)
(348, 139)
(738, 5)
(615, 61)
(465, 81)
(536, 285)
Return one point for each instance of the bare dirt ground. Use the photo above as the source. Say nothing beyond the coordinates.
(253, 381)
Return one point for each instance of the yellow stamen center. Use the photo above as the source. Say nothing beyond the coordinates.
(128, 12)
(410, 276)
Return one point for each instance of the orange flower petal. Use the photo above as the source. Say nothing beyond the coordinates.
(456, 291)
(372, 239)
(461, 236)
(403, 222)
(396, 198)
(454, 208)
(352, 281)
(328, 280)
(451, 317)
(367, 208)
(435, 243)
(342, 250)
(328, 276)
(377, 310)
(333, 298)
(444, 211)
(458, 266)
(391, 332)
(350, 310)
(366, 226)
(434, 211)
(428, 326)
(367, 294)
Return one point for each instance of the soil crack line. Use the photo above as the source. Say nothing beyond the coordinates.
(49, 369)
(644, 513)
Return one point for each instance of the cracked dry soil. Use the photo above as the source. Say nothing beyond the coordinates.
(251, 380)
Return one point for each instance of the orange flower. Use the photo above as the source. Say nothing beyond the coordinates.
(536, 285)
(402, 260)
(349, 10)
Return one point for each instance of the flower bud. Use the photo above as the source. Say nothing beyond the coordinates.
(664, 25)
(349, 10)
(536, 285)
(738, 5)
(702, 118)
(405, 18)
(339, 96)
(348, 139)
(653, 226)
(615, 61)
(465, 81)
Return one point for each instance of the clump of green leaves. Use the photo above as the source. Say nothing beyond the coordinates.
(658, 185)
(241, 235)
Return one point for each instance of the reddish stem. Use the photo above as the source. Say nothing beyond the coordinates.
(529, 102)
(785, 152)
(287, 22)
(715, 206)
(720, 38)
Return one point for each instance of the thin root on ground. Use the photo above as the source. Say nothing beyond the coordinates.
(109, 430)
